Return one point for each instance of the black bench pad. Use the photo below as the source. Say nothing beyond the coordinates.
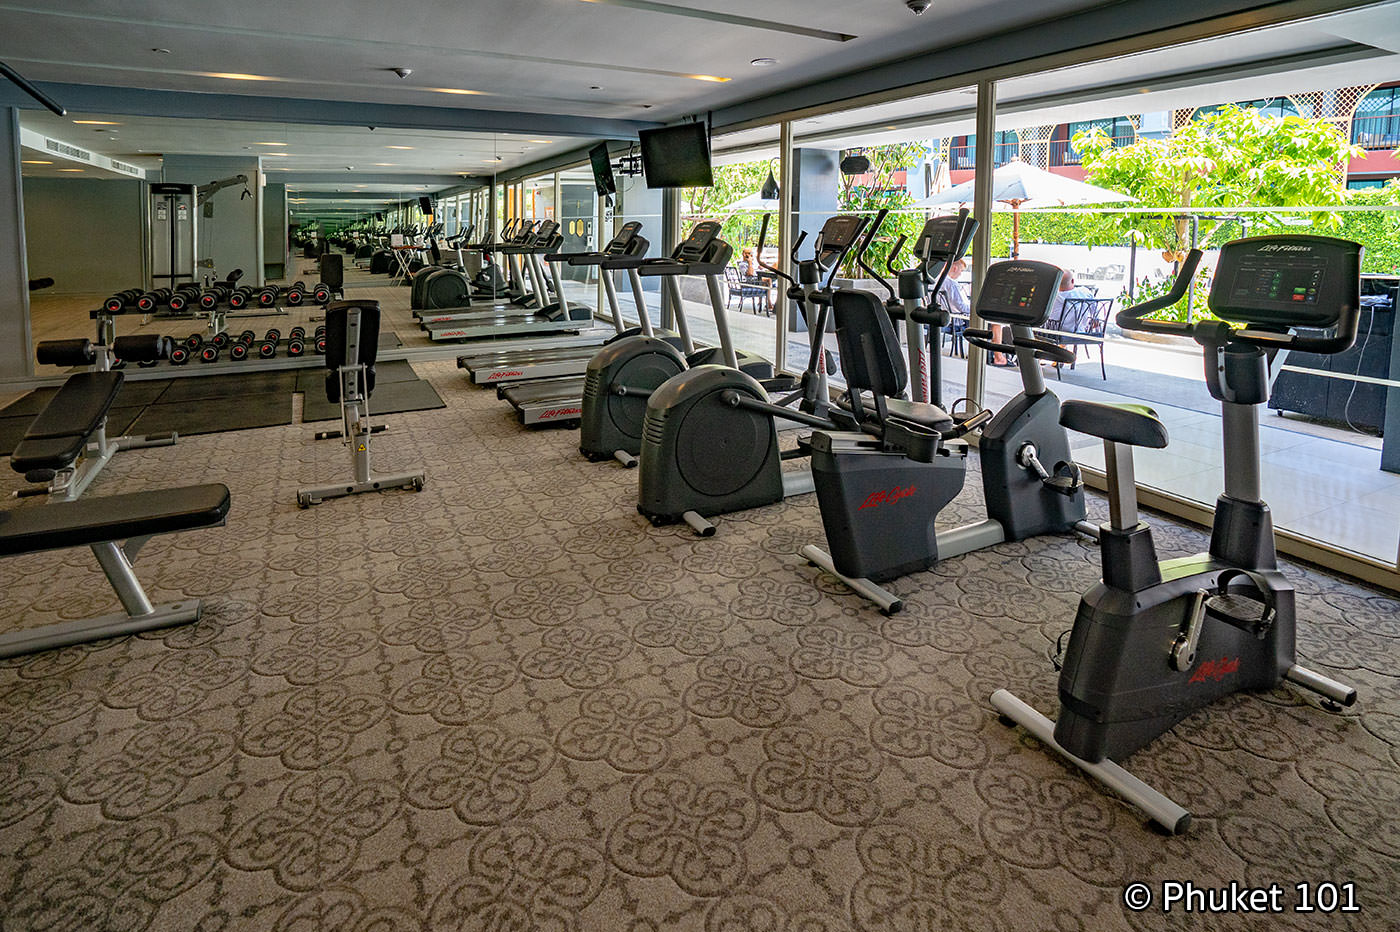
(47, 453)
(111, 518)
(79, 406)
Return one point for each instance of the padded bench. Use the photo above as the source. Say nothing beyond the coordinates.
(59, 435)
(100, 523)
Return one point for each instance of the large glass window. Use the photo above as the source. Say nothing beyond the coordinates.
(1377, 121)
(1119, 129)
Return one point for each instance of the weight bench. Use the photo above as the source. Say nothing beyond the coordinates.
(67, 445)
(100, 523)
(352, 345)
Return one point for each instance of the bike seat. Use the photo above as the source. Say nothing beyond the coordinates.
(1135, 425)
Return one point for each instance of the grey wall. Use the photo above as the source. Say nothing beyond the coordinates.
(232, 238)
(85, 233)
(14, 281)
(817, 180)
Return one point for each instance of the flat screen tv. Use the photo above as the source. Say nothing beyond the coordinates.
(425, 204)
(602, 170)
(677, 156)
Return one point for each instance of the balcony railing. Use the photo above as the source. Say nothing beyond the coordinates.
(1062, 151)
(1381, 131)
(962, 158)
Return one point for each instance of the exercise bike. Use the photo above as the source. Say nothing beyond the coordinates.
(879, 502)
(1152, 642)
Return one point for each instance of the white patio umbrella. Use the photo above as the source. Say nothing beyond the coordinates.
(1018, 185)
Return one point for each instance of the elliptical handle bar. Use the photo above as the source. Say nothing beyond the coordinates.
(865, 242)
(894, 254)
(1132, 318)
(959, 238)
(758, 255)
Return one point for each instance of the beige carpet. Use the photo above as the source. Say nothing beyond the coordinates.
(507, 703)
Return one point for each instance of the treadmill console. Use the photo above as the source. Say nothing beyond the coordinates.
(697, 244)
(937, 241)
(1019, 292)
(621, 242)
(1280, 282)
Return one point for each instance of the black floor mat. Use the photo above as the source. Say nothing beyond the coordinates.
(215, 415)
(132, 395)
(30, 404)
(231, 386)
(388, 398)
(313, 381)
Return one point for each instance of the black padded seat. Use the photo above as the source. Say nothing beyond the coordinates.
(47, 453)
(920, 412)
(79, 406)
(1135, 425)
(114, 517)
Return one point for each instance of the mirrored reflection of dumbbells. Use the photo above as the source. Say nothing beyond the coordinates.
(151, 300)
(267, 348)
(241, 346)
(319, 343)
(241, 296)
(215, 295)
(267, 296)
(182, 350)
(209, 350)
(296, 342)
(122, 300)
(299, 294)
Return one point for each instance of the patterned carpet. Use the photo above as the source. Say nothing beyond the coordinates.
(507, 703)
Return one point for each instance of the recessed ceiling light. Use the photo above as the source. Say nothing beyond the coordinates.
(70, 169)
(384, 164)
(35, 162)
(398, 147)
(281, 155)
(269, 143)
(96, 123)
(453, 90)
(236, 76)
(713, 78)
(764, 62)
(542, 142)
(595, 87)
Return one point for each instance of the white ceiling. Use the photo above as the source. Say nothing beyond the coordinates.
(564, 57)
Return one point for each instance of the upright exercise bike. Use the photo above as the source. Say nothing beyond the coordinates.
(1153, 642)
(880, 501)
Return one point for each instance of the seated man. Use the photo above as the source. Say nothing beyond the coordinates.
(1068, 289)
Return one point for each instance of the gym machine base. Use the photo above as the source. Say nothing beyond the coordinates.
(352, 343)
(1154, 642)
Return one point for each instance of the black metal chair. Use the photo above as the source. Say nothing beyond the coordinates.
(743, 288)
(1081, 322)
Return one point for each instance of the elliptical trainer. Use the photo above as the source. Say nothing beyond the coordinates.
(710, 435)
(1152, 642)
(879, 502)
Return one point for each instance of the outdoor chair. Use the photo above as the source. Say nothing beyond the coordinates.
(1081, 322)
(745, 288)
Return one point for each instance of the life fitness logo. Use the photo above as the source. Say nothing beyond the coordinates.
(560, 412)
(875, 499)
(504, 375)
(1215, 670)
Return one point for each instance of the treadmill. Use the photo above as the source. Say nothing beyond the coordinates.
(519, 298)
(495, 368)
(559, 401)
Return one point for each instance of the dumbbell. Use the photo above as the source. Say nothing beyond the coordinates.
(296, 342)
(209, 353)
(213, 296)
(238, 350)
(321, 293)
(152, 299)
(182, 296)
(180, 354)
(220, 339)
(267, 296)
(296, 295)
(267, 349)
(240, 297)
(122, 299)
(319, 342)
(193, 342)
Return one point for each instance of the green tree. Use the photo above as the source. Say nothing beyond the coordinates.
(732, 182)
(882, 192)
(1234, 157)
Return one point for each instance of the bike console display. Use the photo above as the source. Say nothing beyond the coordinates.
(1279, 282)
(1019, 292)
